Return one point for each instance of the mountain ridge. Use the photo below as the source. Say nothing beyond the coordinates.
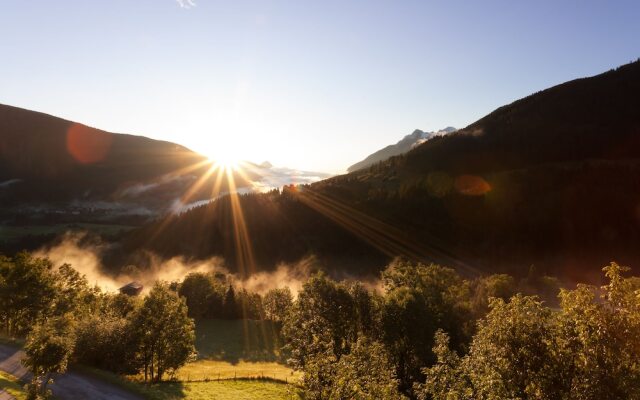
(405, 144)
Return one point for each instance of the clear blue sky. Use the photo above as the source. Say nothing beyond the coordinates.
(306, 84)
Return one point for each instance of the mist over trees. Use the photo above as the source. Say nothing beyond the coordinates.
(429, 333)
(67, 321)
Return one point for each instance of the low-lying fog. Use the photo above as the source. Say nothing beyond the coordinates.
(86, 258)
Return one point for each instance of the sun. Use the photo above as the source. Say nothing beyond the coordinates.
(225, 161)
(224, 153)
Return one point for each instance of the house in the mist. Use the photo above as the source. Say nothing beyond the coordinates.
(131, 289)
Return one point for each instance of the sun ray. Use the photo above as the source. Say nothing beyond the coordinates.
(190, 168)
(244, 252)
(383, 236)
(198, 184)
(184, 199)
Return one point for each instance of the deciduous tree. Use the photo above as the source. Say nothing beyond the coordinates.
(165, 331)
(276, 303)
(48, 348)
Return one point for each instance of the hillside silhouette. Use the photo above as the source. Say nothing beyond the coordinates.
(56, 159)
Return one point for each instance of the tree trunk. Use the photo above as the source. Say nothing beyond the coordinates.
(159, 375)
(45, 381)
(152, 371)
(145, 362)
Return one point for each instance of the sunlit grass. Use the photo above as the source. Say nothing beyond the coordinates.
(238, 390)
(11, 385)
(241, 389)
(213, 370)
(223, 390)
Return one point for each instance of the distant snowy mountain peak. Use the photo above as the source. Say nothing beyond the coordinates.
(407, 143)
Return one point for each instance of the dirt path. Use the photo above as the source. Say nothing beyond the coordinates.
(69, 386)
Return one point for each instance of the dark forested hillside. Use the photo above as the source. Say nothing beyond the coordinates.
(551, 180)
(586, 118)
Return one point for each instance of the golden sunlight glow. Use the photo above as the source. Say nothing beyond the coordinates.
(226, 154)
(226, 163)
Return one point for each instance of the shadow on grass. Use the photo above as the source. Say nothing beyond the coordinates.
(166, 390)
(11, 341)
(235, 340)
(163, 391)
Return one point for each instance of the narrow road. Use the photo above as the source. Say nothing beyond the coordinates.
(69, 386)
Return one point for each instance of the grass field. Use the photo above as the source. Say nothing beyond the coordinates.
(11, 385)
(237, 340)
(223, 390)
(242, 349)
(242, 389)
(238, 348)
(212, 370)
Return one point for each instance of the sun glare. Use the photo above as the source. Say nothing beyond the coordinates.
(226, 160)
(225, 163)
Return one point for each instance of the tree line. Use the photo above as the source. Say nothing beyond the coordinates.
(427, 333)
(434, 335)
(65, 320)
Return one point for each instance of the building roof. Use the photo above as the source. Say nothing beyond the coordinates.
(132, 286)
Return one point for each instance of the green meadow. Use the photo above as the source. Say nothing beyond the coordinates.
(237, 359)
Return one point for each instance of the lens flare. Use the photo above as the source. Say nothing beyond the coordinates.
(87, 145)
